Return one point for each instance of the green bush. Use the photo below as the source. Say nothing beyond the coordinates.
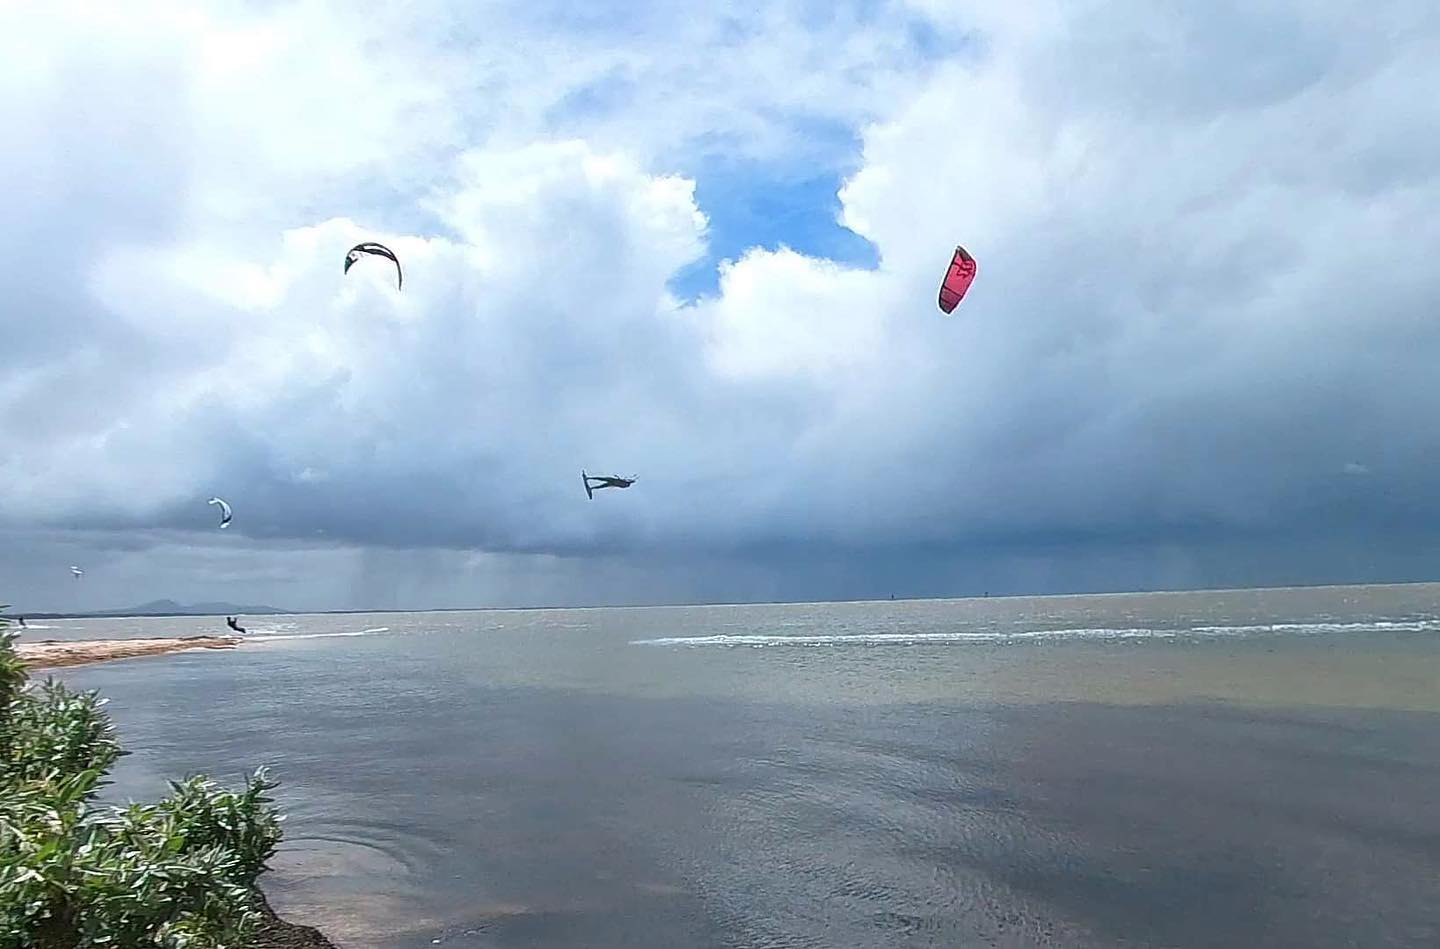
(180, 873)
(12, 677)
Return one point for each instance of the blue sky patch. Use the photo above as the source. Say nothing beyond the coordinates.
(747, 212)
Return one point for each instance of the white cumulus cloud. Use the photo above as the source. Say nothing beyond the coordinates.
(1204, 241)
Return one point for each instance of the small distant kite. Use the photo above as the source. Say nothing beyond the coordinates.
(602, 483)
(379, 250)
(224, 511)
(957, 279)
(76, 572)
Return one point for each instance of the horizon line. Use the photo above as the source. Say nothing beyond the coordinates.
(277, 611)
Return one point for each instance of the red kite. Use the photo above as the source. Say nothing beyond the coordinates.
(957, 279)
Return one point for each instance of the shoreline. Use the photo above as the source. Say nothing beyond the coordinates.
(56, 654)
(276, 932)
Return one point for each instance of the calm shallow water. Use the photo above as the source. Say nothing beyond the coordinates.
(1237, 768)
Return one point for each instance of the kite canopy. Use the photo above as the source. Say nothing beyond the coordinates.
(379, 250)
(957, 279)
(224, 511)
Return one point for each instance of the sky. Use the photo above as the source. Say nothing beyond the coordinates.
(700, 243)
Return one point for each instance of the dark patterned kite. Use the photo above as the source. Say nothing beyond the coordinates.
(379, 250)
(606, 481)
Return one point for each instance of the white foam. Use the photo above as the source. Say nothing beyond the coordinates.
(1412, 626)
(991, 637)
(274, 637)
(891, 639)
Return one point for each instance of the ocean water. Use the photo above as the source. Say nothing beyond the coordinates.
(1206, 769)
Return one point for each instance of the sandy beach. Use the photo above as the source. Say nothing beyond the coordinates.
(51, 654)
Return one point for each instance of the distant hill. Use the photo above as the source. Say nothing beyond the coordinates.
(170, 608)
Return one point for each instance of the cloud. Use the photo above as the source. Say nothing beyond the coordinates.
(1203, 240)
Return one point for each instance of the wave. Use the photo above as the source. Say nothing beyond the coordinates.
(992, 636)
(1403, 626)
(275, 637)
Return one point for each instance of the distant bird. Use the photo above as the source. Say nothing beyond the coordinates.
(76, 572)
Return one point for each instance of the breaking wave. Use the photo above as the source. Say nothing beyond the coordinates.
(1039, 635)
(272, 637)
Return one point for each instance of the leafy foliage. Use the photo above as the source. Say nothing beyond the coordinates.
(178, 874)
(12, 677)
(56, 732)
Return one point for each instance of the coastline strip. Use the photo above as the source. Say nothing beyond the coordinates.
(52, 654)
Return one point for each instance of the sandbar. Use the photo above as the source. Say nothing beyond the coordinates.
(51, 654)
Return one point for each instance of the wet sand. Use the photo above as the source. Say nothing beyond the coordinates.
(51, 654)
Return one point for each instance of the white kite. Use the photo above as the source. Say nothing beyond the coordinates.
(224, 511)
